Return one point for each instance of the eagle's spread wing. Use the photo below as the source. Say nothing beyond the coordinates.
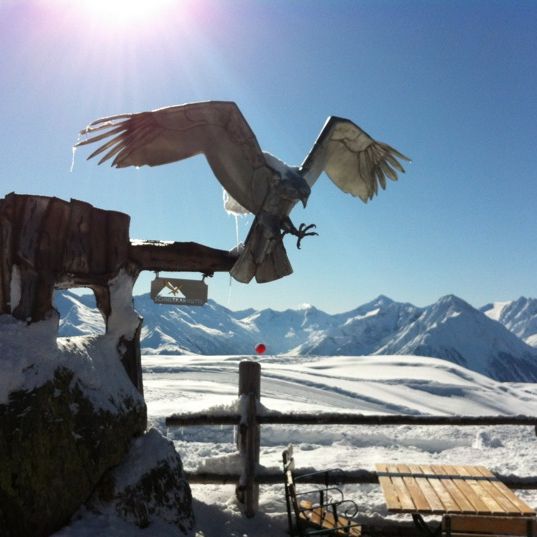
(216, 129)
(352, 159)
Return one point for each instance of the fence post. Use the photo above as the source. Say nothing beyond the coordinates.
(248, 437)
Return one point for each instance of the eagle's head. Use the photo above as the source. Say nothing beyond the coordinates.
(293, 187)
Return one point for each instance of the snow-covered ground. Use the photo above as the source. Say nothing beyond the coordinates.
(379, 384)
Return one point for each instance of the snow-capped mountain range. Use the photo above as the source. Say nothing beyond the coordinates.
(498, 340)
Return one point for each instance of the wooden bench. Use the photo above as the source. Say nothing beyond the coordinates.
(476, 526)
(473, 502)
(321, 511)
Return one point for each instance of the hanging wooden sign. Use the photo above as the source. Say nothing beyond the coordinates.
(179, 291)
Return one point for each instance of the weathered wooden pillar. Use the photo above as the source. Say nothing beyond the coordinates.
(48, 243)
(248, 438)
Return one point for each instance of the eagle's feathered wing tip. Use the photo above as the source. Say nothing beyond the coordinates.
(397, 153)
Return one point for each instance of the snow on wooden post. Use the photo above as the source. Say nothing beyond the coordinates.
(248, 437)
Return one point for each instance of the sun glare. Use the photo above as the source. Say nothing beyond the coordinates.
(125, 12)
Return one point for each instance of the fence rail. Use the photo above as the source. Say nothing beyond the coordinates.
(361, 477)
(348, 419)
(248, 438)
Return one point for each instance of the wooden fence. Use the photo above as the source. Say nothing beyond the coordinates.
(248, 438)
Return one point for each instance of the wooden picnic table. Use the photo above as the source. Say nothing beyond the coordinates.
(448, 490)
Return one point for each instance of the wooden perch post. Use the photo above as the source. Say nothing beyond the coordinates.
(248, 437)
(180, 256)
(48, 243)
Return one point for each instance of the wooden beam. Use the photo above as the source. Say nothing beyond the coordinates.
(186, 420)
(351, 419)
(389, 419)
(180, 256)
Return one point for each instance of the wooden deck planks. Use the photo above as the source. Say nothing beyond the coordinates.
(436, 505)
(450, 504)
(479, 487)
(323, 518)
(479, 506)
(465, 506)
(418, 496)
(436, 489)
(403, 494)
(390, 494)
(504, 494)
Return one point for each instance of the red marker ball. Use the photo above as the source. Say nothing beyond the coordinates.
(260, 349)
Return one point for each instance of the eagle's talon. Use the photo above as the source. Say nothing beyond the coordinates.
(305, 235)
(304, 231)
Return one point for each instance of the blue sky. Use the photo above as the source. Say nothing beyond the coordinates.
(451, 84)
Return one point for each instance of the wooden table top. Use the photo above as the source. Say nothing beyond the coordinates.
(440, 489)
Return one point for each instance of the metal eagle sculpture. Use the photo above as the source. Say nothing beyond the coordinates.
(255, 181)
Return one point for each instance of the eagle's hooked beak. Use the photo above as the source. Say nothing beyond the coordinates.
(304, 195)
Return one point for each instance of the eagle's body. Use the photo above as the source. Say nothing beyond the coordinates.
(255, 181)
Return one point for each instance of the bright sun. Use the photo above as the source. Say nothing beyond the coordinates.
(121, 12)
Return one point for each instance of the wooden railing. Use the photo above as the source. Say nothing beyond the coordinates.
(248, 438)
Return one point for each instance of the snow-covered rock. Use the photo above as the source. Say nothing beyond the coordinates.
(79, 316)
(148, 489)
(68, 412)
(360, 331)
(211, 329)
(285, 330)
(453, 330)
(519, 316)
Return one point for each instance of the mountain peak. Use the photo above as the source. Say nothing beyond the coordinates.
(382, 299)
(519, 316)
(305, 306)
(454, 300)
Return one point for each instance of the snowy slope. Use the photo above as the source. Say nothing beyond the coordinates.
(518, 316)
(366, 384)
(78, 315)
(450, 329)
(211, 329)
(288, 329)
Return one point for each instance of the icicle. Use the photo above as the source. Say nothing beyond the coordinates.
(235, 435)
(237, 246)
(236, 216)
(235, 209)
(229, 291)
(73, 149)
